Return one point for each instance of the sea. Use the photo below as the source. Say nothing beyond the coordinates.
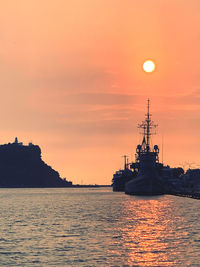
(97, 227)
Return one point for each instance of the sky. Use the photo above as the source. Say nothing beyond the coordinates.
(71, 81)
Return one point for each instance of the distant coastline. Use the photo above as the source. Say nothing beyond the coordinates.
(70, 186)
(90, 185)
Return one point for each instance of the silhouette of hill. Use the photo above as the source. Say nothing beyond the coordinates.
(22, 166)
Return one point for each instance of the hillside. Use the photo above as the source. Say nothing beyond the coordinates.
(22, 166)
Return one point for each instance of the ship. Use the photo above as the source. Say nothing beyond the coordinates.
(143, 176)
(148, 180)
(147, 176)
(122, 176)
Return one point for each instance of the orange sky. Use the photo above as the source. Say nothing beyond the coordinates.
(72, 82)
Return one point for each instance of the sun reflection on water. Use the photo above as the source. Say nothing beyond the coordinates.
(149, 232)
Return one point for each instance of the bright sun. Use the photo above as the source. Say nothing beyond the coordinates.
(149, 66)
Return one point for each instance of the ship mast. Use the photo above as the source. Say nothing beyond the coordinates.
(147, 125)
(125, 161)
(148, 120)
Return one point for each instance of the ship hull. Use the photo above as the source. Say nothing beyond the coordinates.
(146, 185)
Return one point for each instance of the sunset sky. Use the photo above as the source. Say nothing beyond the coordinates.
(72, 80)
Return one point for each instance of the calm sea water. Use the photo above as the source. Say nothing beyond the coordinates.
(96, 227)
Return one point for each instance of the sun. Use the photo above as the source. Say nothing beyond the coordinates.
(149, 66)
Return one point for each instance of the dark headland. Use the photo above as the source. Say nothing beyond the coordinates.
(22, 166)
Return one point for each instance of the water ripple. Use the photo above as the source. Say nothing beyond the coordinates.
(96, 227)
